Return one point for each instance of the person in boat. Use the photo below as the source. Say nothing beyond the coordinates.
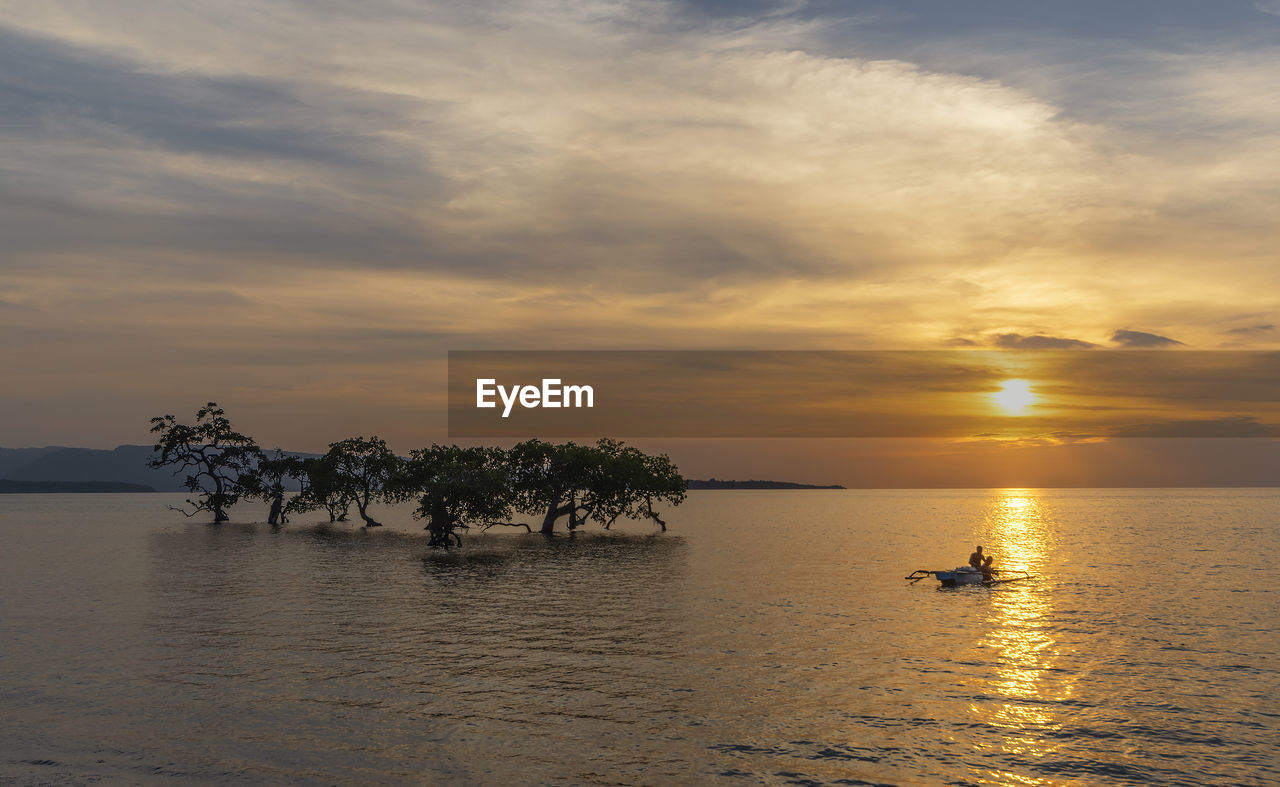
(988, 573)
(975, 560)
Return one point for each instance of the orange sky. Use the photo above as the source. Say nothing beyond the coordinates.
(297, 210)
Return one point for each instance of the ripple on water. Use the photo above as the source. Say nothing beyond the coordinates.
(767, 638)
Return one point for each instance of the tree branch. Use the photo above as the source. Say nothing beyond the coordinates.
(488, 525)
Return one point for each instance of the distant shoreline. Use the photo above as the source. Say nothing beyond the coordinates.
(715, 483)
(100, 487)
(8, 487)
(113, 487)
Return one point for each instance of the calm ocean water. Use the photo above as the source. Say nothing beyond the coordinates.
(767, 638)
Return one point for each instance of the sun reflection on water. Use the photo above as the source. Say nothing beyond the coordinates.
(1025, 692)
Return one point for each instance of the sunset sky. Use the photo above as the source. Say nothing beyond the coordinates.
(297, 208)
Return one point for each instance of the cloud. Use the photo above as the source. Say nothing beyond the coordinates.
(608, 174)
(89, 95)
(1229, 426)
(1246, 330)
(636, 147)
(612, 142)
(1016, 341)
(1127, 338)
(1268, 7)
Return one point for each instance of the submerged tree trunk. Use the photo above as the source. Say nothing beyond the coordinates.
(440, 526)
(337, 511)
(553, 513)
(369, 521)
(217, 498)
(274, 516)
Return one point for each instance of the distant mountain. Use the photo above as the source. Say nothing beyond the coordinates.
(42, 487)
(17, 457)
(714, 483)
(126, 464)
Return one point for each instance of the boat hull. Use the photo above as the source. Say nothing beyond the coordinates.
(961, 576)
(967, 575)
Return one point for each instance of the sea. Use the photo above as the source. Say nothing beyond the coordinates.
(768, 637)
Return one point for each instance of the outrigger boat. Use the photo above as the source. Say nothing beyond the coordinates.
(967, 575)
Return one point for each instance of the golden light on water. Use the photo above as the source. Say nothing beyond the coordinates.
(1025, 687)
(1013, 502)
(1014, 397)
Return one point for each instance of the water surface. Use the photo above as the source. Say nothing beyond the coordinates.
(767, 638)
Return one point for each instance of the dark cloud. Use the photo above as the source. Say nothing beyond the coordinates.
(1142, 339)
(1246, 330)
(1091, 19)
(1016, 341)
(305, 173)
(1229, 426)
(1200, 379)
(960, 341)
(245, 224)
(203, 297)
(738, 9)
(347, 185)
(47, 86)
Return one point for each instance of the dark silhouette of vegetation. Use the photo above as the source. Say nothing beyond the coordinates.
(266, 481)
(626, 482)
(214, 454)
(602, 482)
(716, 483)
(362, 470)
(321, 489)
(550, 480)
(454, 488)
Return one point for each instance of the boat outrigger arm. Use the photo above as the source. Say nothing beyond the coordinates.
(967, 575)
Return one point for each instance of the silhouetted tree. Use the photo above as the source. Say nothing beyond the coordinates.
(550, 479)
(627, 482)
(321, 488)
(215, 454)
(266, 481)
(601, 482)
(361, 471)
(456, 488)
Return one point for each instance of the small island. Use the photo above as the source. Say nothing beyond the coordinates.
(715, 483)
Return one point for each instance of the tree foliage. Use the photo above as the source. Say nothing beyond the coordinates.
(361, 472)
(604, 482)
(551, 480)
(322, 488)
(215, 456)
(456, 488)
(626, 483)
(266, 481)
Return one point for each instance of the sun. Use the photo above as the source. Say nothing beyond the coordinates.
(1014, 397)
